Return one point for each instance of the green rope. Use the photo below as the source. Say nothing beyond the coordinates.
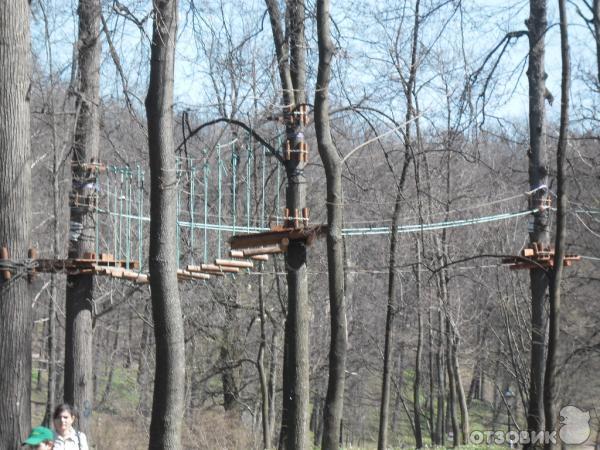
(140, 214)
(248, 186)
(178, 208)
(192, 196)
(234, 168)
(262, 195)
(128, 207)
(205, 170)
(219, 200)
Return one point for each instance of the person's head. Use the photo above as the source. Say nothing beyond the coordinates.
(41, 438)
(64, 416)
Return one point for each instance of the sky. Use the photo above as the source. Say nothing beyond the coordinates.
(364, 33)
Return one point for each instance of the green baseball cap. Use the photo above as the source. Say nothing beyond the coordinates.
(39, 435)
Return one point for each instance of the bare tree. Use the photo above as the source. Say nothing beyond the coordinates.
(290, 49)
(332, 162)
(556, 275)
(15, 220)
(78, 383)
(169, 386)
(537, 24)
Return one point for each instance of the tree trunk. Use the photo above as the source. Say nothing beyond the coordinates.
(264, 392)
(334, 400)
(143, 370)
(432, 369)
(417, 380)
(596, 21)
(292, 70)
(389, 329)
(78, 381)
(15, 200)
(537, 24)
(228, 359)
(462, 400)
(550, 380)
(168, 402)
(451, 385)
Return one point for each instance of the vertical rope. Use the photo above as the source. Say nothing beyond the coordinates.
(248, 186)
(219, 200)
(178, 207)
(234, 168)
(192, 198)
(120, 200)
(128, 207)
(277, 207)
(205, 169)
(140, 181)
(96, 216)
(263, 187)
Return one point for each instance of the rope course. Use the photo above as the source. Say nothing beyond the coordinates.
(227, 207)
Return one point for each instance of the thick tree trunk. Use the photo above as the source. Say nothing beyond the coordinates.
(78, 382)
(15, 200)
(292, 70)
(537, 24)
(168, 402)
(550, 380)
(334, 401)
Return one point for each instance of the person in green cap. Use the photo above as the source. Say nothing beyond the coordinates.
(41, 438)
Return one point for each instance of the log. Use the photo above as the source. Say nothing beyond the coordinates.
(280, 247)
(4, 255)
(260, 257)
(231, 263)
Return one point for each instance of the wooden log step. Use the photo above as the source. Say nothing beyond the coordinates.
(236, 253)
(211, 269)
(216, 268)
(233, 263)
(186, 274)
(280, 247)
(4, 255)
(260, 257)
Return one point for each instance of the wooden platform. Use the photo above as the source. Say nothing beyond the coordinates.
(538, 255)
(274, 241)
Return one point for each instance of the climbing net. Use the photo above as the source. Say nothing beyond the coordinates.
(232, 188)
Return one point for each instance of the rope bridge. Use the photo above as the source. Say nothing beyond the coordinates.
(228, 202)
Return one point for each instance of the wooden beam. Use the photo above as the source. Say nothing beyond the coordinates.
(279, 247)
(260, 257)
(4, 255)
(232, 263)
(211, 268)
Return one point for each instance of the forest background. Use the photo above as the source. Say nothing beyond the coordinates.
(457, 71)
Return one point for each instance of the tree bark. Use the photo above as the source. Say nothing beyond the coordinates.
(537, 24)
(451, 385)
(15, 200)
(78, 380)
(417, 380)
(264, 392)
(596, 22)
(292, 70)
(168, 402)
(334, 400)
(389, 329)
(550, 380)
